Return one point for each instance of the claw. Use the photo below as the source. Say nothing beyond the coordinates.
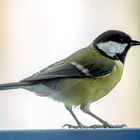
(118, 126)
(71, 126)
(107, 125)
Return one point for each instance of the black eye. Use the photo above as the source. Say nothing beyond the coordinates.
(121, 40)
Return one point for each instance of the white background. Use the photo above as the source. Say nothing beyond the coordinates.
(37, 33)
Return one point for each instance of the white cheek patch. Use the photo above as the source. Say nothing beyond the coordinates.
(112, 48)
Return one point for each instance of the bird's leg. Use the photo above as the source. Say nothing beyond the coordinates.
(86, 110)
(80, 125)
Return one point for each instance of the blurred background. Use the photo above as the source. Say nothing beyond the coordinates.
(36, 33)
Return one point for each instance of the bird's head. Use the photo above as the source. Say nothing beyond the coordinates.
(114, 44)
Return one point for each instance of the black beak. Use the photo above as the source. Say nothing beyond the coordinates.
(134, 43)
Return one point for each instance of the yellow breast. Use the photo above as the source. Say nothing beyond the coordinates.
(77, 91)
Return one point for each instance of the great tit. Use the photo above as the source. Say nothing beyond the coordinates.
(84, 77)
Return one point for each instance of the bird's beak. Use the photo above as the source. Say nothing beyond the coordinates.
(134, 43)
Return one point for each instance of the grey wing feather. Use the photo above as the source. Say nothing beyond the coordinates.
(62, 70)
(58, 70)
(97, 71)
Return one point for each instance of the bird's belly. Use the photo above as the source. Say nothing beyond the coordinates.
(77, 91)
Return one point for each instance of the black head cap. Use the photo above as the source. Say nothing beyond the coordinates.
(113, 35)
(118, 37)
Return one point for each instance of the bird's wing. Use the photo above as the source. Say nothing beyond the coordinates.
(72, 69)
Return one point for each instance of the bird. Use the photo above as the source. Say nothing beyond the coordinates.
(84, 77)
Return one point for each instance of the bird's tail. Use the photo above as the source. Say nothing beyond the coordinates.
(15, 85)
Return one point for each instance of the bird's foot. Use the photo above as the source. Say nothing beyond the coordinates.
(107, 125)
(71, 126)
(82, 126)
(79, 126)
